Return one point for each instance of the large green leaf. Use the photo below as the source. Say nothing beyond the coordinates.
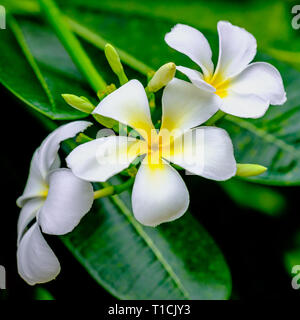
(37, 69)
(178, 260)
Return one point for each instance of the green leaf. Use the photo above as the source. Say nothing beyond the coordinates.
(36, 68)
(178, 260)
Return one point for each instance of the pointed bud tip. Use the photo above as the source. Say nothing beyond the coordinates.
(171, 66)
(113, 58)
(249, 170)
(108, 48)
(66, 96)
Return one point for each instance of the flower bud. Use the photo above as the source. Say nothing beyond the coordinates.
(114, 61)
(79, 103)
(162, 77)
(249, 170)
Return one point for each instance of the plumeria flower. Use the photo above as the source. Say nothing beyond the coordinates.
(56, 199)
(159, 194)
(246, 89)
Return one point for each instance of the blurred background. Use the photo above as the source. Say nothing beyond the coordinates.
(256, 226)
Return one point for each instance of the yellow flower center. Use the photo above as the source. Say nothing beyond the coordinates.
(155, 149)
(158, 145)
(219, 83)
(44, 192)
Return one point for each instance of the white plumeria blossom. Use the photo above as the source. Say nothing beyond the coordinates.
(246, 89)
(159, 193)
(57, 199)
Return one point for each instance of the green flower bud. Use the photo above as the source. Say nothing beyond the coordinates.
(162, 77)
(114, 61)
(79, 103)
(249, 170)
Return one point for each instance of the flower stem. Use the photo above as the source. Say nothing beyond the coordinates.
(72, 44)
(100, 43)
(215, 118)
(112, 190)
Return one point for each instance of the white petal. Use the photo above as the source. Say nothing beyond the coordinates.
(27, 214)
(100, 159)
(68, 200)
(186, 106)
(205, 151)
(192, 43)
(159, 194)
(244, 105)
(36, 185)
(36, 261)
(56, 164)
(128, 105)
(261, 79)
(46, 158)
(196, 78)
(237, 48)
(50, 146)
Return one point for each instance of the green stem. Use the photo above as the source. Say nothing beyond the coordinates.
(215, 118)
(113, 190)
(100, 43)
(72, 44)
(122, 78)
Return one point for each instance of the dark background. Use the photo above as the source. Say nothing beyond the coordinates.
(252, 243)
